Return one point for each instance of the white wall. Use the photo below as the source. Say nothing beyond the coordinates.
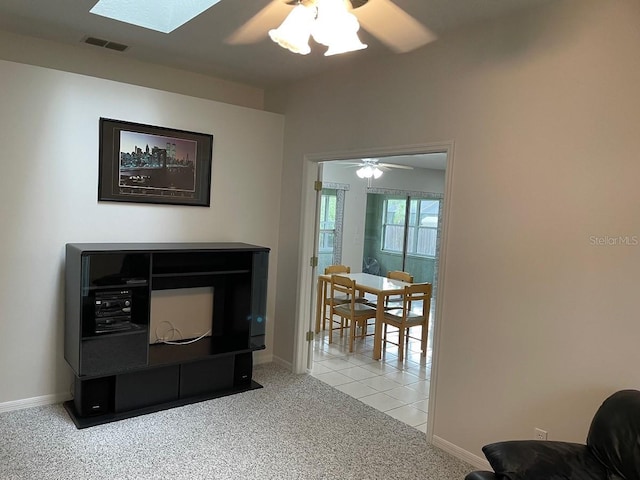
(48, 197)
(111, 65)
(539, 323)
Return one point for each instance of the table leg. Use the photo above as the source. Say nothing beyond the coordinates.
(320, 303)
(377, 337)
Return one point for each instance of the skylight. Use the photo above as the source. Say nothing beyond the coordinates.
(160, 15)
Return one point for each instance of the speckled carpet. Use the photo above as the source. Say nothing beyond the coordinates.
(296, 427)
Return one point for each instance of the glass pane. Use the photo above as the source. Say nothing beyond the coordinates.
(429, 213)
(427, 241)
(395, 212)
(411, 240)
(413, 212)
(328, 204)
(393, 238)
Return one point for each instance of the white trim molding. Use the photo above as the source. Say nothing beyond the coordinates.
(282, 363)
(460, 453)
(260, 357)
(34, 402)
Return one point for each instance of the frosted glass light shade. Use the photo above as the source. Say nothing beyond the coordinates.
(159, 15)
(336, 27)
(346, 43)
(294, 32)
(368, 171)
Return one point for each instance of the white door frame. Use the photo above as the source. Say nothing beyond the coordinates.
(306, 292)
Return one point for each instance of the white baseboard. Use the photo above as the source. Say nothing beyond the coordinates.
(261, 356)
(283, 363)
(465, 456)
(34, 402)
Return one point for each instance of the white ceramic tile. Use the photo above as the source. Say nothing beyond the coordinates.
(382, 402)
(356, 389)
(336, 363)
(387, 384)
(359, 359)
(409, 415)
(405, 394)
(403, 378)
(357, 373)
(320, 355)
(419, 371)
(422, 386)
(380, 383)
(380, 368)
(335, 351)
(422, 405)
(318, 368)
(334, 378)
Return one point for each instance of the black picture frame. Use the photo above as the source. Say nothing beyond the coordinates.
(150, 164)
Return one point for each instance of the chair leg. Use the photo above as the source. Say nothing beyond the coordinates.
(363, 328)
(423, 344)
(324, 315)
(401, 334)
(352, 334)
(331, 329)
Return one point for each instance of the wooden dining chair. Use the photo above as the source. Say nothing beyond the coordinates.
(416, 305)
(396, 302)
(330, 270)
(352, 313)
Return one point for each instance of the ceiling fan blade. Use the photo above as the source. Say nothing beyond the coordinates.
(256, 28)
(393, 165)
(393, 26)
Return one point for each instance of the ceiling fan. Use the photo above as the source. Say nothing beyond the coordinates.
(371, 167)
(387, 22)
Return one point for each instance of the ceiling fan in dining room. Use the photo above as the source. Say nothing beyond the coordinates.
(371, 167)
(384, 20)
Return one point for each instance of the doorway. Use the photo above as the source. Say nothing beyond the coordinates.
(352, 251)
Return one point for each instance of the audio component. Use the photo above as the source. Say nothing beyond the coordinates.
(113, 311)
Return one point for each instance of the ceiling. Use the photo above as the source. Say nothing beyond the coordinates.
(434, 161)
(201, 44)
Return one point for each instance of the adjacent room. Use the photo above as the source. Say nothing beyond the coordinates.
(213, 164)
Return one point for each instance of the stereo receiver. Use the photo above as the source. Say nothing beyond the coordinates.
(113, 311)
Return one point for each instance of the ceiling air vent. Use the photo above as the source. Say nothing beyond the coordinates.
(99, 42)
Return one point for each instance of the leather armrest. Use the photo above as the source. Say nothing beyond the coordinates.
(549, 460)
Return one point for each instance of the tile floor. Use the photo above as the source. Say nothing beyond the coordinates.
(399, 389)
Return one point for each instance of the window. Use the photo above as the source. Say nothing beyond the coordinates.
(328, 203)
(422, 226)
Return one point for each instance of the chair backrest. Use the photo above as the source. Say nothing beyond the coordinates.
(342, 286)
(413, 294)
(331, 269)
(614, 434)
(400, 275)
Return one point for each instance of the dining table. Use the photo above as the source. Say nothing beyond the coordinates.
(380, 287)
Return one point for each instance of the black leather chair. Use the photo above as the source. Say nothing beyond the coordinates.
(612, 451)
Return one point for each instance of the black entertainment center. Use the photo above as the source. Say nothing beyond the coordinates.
(126, 344)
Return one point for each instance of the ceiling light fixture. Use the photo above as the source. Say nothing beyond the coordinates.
(329, 22)
(369, 171)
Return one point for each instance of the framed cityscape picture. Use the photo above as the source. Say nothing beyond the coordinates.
(150, 164)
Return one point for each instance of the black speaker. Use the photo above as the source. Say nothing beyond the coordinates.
(243, 369)
(93, 397)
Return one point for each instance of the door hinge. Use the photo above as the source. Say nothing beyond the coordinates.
(313, 262)
(317, 185)
(310, 336)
